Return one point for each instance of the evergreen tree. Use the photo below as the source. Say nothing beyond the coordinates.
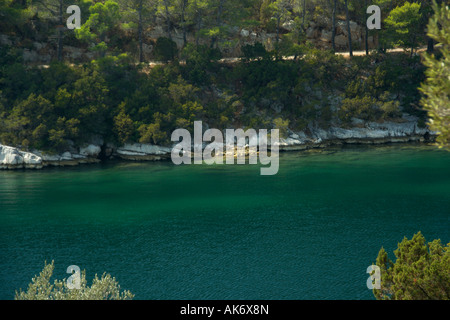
(138, 13)
(404, 25)
(56, 9)
(333, 25)
(103, 21)
(437, 85)
(421, 271)
(347, 15)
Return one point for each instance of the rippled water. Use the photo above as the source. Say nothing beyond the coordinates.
(225, 232)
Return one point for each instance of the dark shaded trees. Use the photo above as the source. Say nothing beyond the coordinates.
(347, 15)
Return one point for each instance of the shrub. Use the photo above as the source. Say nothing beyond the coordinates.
(256, 50)
(104, 288)
(165, 49)
(282, 126)
(391, 110)
(151, 133)
(421, 271)
(365, 108)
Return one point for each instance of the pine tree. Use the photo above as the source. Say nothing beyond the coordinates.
(436, 88)
(348, 29)
(403, 24)
(421, 271)
(57, 10)
(104, 19)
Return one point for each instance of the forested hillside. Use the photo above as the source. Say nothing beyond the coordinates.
(97, 82)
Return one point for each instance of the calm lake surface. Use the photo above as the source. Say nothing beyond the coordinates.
(225, 232)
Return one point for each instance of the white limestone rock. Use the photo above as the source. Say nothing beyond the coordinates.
(138, 149)
(13, 158)
(66, 156)
(51, 157)
(289, 25)
(245, 33)
(91, 151)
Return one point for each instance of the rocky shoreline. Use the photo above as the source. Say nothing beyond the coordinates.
(360, 133)
(370, 133)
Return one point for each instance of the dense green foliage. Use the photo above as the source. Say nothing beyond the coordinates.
(403, 25)
(56, 107)
(437, 84)
(41, 288)
(421, 271)
(113, 98)
(103, 22)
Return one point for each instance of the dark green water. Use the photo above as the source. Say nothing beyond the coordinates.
(225, 232)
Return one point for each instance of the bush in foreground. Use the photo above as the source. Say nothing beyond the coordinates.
(104, 288)
(421, 271)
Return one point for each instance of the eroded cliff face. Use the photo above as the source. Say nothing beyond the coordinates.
(319, 32)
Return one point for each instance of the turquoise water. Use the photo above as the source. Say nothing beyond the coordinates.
(225, 232)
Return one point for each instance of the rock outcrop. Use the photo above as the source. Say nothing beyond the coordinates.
(13, 158)
(320, 35)
(87, 154)
(138, 151)
(361, 133)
